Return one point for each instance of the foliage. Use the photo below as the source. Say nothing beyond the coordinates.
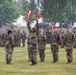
(59, 10)
(24, 7)
(8, 11)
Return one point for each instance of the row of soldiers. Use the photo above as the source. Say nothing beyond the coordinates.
(18, 37)
(36, 39)
(37, 43)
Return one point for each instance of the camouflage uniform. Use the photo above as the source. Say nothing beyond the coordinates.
(41, 46)
(28, 43)
(18, 38)
(9, 47)
(33, 45)
(23, 37)
(54, 46)
(74, 40)
(69, 39)
(62, 38)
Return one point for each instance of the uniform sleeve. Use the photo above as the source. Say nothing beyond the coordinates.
(44, 39)
(73, 38)
(37, 28)
(29, 28)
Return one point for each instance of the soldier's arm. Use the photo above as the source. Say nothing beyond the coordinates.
(58, 37)
(65, 39)
(73, 39)
(37, 28)
(29, 28)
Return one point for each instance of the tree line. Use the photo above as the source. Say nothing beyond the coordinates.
(58, 10)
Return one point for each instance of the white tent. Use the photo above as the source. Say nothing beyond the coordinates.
(20, 22)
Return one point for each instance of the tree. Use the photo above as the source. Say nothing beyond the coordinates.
(33, 7)
(8, 12)
(53, 9)
(24, 6)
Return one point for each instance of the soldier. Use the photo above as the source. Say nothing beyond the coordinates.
(54, 45)
(75, 39)
(14, 35)
(23, 37)
(69, 39)
(32, 44)
(28, 43)
(18, 38)
(62, 37)
(9, 46)
(41, 45)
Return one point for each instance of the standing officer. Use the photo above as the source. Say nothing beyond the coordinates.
(54, 45)
(62, 38)
(9, 46)
(69, 39)
(33, 44)
(41, 45)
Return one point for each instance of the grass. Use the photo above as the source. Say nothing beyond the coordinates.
(21, 66)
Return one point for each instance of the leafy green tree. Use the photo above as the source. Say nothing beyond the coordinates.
(25, 6)
(8, 12)
(53, 9)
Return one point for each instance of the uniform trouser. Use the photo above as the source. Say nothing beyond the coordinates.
(42, 54)
(9, 55)
(33, 56)
(55, 50)
(62, 44)
(18, 42)
(69, 54)
(29, 53)
(23, 42)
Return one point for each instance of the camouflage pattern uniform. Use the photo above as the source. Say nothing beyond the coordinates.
(62, 38)
(74, 40)
(41, 46)
(33, 45)
(54, 45)
(69, 39)
(28, 44)
(23, 37)
(9, 47)
(18, 38)
(14, 35)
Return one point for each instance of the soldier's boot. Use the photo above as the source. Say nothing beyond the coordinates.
(42, 60)
(8, 62)
(55, 60)
(35, 62)
(32, 62)
(69, 61)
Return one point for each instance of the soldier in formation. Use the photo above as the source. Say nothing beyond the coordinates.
(32, 44)
(41, 45)
(74, 39)
(9, 44)
(54, 45)
(69, 39)
(62, 38)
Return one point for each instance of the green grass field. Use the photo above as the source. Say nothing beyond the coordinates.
(21, 66)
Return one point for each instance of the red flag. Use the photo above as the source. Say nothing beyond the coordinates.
(38, 15)
(30, 14)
